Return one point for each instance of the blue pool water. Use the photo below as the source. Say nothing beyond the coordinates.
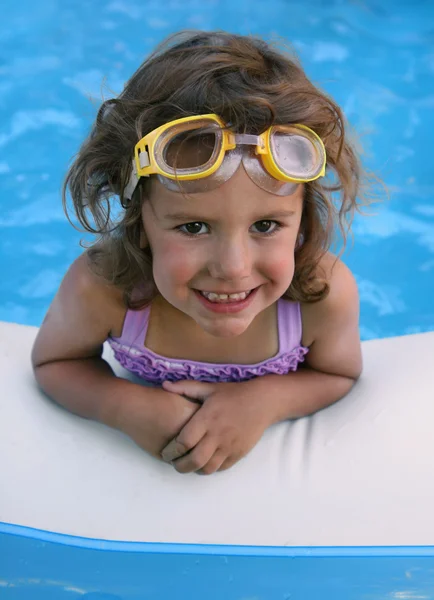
(376, 58)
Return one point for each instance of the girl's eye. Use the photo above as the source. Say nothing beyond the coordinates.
(267, 227)
(197, 228)
(192, 228)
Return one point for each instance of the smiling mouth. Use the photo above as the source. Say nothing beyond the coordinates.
(225, 298)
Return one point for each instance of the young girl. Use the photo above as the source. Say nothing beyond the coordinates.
(214, 280)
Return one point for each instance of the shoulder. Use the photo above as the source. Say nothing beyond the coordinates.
(81, 316)
(339, 306)
(87, 299)
(86, 286)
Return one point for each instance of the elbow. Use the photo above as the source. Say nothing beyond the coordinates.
(354, 370)
(358, 371)
(351, 380)
(348, 381)
(36, 364)
(37, 355)
(356, 376)
(34, 360)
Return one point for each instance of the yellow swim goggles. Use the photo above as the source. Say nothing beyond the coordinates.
(200, 153)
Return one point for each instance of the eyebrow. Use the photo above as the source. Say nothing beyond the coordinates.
(190, 217)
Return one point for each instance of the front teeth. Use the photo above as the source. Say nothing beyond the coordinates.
(213, 297)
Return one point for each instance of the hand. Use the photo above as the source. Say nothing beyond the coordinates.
(230, 422)
(153, 416)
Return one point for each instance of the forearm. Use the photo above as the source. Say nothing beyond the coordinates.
(301, 393)
(86, 387)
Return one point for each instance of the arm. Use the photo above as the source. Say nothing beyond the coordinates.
(66, 355)
(302, 393)
(68, 366)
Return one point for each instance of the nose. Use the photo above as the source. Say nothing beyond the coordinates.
(231, 260)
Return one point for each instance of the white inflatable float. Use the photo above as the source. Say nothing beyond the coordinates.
(337, 506)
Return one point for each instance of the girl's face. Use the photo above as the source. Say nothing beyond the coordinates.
(236, 238)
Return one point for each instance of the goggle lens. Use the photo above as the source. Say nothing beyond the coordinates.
(298, 156)
(193, 150)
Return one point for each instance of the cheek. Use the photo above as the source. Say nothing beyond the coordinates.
(281, 269)
(279, 263)
(173, 263)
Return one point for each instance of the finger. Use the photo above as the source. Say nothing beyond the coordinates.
(215, 462)
(197, 390)
(173, 450)
(189, 436)
(198, 457)
(229, 462)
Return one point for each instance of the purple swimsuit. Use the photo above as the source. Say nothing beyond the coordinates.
(131, 352)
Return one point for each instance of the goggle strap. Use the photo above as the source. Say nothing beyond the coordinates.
(132, 183)
(144, 159)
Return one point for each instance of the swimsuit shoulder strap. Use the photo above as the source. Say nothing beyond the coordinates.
(135, 327)
(289, 324)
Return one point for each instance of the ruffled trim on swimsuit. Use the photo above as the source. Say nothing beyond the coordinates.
(158, 369)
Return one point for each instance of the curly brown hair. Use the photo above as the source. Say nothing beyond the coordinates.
(250, 85)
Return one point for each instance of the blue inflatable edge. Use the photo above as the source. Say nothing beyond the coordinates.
(216, 549)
